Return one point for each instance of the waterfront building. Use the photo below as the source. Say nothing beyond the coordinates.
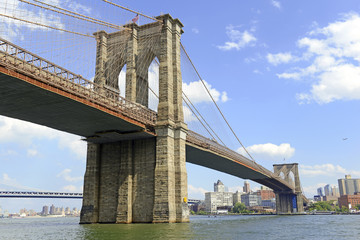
(318, 198)
(218, 199)
(330, 198)
(320, 191)
(266, 193)
(349, 186)
(251, 199)
(237, 197)
(269, 203)
(246, 188)
(349, 201)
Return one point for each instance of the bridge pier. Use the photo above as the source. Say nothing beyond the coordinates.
(136, 181)
(289, 202)
(140, 180)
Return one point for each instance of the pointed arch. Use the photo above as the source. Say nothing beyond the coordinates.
(144, 62)
(122, 81)
(114, 66)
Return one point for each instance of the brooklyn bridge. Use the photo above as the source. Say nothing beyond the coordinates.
(135, 169)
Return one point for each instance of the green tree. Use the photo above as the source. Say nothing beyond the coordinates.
(239, 208)
(323, 206)
(344, 209)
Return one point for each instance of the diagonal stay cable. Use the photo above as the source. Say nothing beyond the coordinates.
(203, 119)
(202, 81)
(195, 113)
(76, 15)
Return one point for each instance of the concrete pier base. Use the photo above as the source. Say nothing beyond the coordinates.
(134, 182)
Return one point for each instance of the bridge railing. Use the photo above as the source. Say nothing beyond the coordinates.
(212, 145)
(25, 194)
(21, 60)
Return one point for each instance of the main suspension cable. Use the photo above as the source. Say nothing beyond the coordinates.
(77, 15)
(202, 81)
(127, 9)
(47, 26)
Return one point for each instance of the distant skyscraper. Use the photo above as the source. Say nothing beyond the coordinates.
(327, 190)
(349, 186)
(45, 211)
(320, 191)
(335, 191)
(218, 198)
(219, 187)
(246, 187)
(52, 210)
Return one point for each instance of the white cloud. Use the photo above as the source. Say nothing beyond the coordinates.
(188, 115)
(197, 93)
(32, 152)
(269, 151)
(72, 188)
(196, 190)
(77, 7)
(9, 184)
(236, 188)
(195, 30)
(276, 59)
(276, 4)
(12, 28)
(238, 39)
(326, 170)
(13, 130)
(65, 174)
(334, 56)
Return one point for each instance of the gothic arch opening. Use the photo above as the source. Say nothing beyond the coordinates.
(153, 79)
(292, 178)
(122, 81)
(282, 175)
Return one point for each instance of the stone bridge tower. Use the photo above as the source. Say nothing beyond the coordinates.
(140, 180)
(289, 202)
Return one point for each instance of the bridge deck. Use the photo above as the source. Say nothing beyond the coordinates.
(48, 95)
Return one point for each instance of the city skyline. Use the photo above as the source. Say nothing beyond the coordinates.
(275, 67)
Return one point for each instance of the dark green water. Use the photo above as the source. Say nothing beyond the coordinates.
(200, 227)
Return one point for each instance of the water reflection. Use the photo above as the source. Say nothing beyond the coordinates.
(137, 231)
(200, 227)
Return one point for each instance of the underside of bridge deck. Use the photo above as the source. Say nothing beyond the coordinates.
(24, 98)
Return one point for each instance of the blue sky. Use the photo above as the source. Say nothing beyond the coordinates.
(286, 75)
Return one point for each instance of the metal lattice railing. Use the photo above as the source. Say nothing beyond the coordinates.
(21, 60)
(214, 146)
(26, 194)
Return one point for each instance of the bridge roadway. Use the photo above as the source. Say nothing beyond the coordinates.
(38, 91)
(25, 194)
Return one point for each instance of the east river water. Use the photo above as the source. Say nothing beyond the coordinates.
(201, 227)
